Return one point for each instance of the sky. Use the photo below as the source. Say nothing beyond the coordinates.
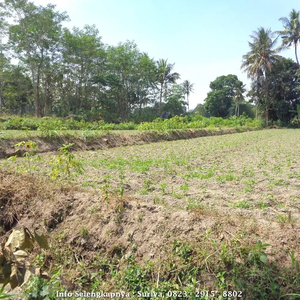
(205, 39)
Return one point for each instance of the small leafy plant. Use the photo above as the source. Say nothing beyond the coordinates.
(28, 148)
(65, 162)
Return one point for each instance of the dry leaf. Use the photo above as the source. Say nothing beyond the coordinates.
(20, 255)
(19, 240)
(41, 240)
(16, 276)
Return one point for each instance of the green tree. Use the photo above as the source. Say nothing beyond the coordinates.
(130, 79)
(4, 65)
(291, 33)
(284, 90)
(220, 99)
(238, 97)
(3, 60)
(17, 91)
(34, 37)
(175, 103)
(164, 78)
(83, 57)
(199, 110)
(258, 63)
(188, 88)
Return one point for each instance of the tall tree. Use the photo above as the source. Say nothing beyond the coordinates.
(238, 97)
(34, 37)
(188, 88)
(220, 99)
(164, 78)
(258, 63)
(291, 33)
(284, 89)
(131, 76)
(17, 90)
(175, 103)
(3, 31)
(83, 58)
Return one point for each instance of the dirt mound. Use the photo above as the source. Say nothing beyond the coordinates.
(112, 140)
(120, 226)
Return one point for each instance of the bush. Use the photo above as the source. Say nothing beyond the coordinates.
(48, 124)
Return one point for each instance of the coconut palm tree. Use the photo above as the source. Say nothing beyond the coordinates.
(238, 97)
(164, 78)
(188, 88)
(291, 33)
(259, 60)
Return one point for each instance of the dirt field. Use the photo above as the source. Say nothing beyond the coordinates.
(187, 210)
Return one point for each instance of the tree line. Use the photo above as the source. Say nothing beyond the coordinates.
(275, 89)
(50, 69)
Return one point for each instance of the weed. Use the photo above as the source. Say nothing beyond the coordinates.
(285, 219)
(182, 249)
(39, 288)
(242, 204)
(84, 232)
(135, 278)
(157, 200)
(262, 204)
(65, 162)
(29, 149)
(121, 191)
(250, 185)
(193, 204)
(257, 254)
(185, 188)
(146, 187)
(163, 188)
(106, 188)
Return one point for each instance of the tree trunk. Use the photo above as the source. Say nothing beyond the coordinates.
(160, 99)
(36, 94)
(256, 111)
(36, 101)
(1, 102)
(296, 55)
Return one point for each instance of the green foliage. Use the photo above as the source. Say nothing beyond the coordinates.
(29, 148)
(73, 73)
(182, 250)
(53, 127)
(164, 77)
(65, 162)
(39, 288)
(135, 278)
(284, 90)
(291, 33)
(17, 91)
(174, 102)
(198, 122)
(222, 95)
(199, 110)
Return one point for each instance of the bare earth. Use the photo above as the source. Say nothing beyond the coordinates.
(140, 199)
